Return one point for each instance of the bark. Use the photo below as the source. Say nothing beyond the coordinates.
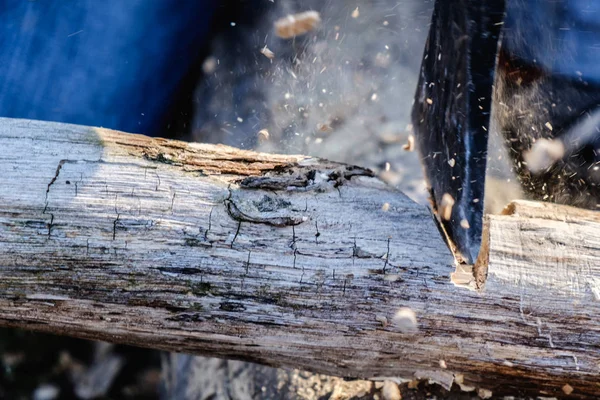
(287, 261)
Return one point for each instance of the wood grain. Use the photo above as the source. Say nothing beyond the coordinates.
(287, 261)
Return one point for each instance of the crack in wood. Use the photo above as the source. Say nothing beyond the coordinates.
(115, 222)
(58, 168)
(293, 242)
(237, 232)
(387, 256)
(282, 221)
(50, 224)
(172, 202)
(209, 224)
(318, 233)
(248, 262)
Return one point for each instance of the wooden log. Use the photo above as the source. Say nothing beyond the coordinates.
(287, 261)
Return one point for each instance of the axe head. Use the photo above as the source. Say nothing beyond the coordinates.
(451, 115)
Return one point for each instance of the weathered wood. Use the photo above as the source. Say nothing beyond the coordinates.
(285, 260)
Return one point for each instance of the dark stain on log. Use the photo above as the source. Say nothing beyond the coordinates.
(187, 317)
(233, 307)
(297, 176)
(193, 242)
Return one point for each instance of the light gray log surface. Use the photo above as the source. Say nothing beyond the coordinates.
(288, 261)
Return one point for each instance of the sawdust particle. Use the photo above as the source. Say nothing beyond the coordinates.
(543, 154)
(405, 320)
(265, 51)
(382, 320)
(263, 135)
(410, 144)
(446, 205)
(209, 65)
(325, 128)
(459, 379)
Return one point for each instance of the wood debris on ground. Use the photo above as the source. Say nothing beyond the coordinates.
(297, 24)
(390, 391)
(46, 392)
(484, 393)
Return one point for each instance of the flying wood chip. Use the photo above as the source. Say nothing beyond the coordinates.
(297, 24)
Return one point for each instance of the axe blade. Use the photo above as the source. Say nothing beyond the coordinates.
(451, 115)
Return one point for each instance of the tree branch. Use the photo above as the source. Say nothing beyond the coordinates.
(287, 261)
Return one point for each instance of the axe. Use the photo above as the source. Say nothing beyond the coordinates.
(451, 115)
